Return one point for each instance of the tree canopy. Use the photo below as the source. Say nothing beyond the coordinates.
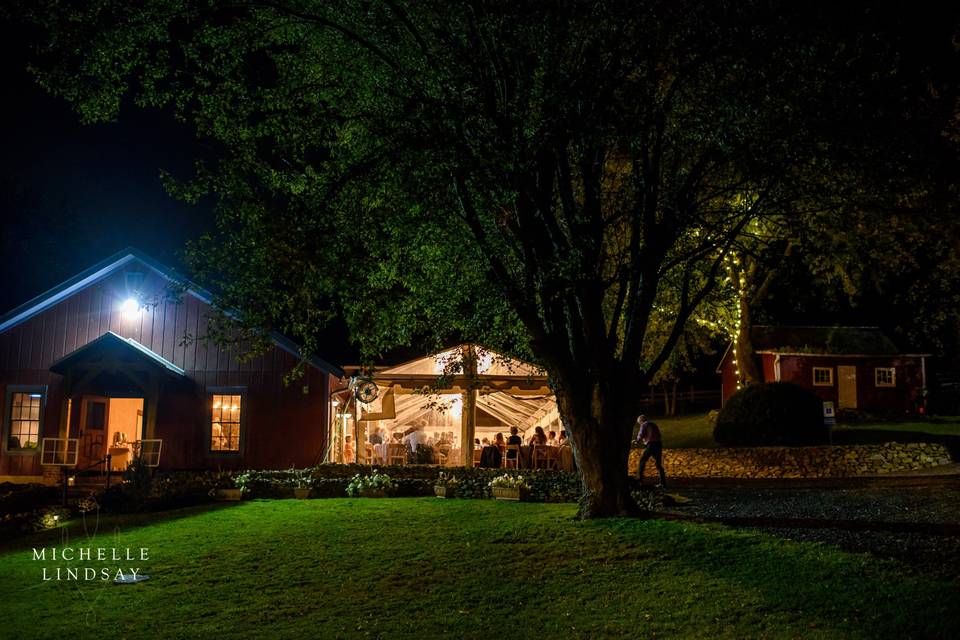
(550, 179)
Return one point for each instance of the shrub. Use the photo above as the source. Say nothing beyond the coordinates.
(20, 498)
(373, 482)
(771, 414)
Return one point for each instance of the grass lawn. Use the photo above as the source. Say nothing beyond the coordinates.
(425, 568)
(692, 431)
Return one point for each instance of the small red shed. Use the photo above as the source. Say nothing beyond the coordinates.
(854, 367)
(104, 358)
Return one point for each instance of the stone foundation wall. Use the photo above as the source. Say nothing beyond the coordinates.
(795, 462)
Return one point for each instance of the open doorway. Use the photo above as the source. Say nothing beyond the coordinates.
(109, 426)
(124, 427)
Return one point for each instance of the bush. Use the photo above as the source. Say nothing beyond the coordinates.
(772, 414)
(20, 498)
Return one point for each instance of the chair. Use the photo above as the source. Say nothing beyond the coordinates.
(544, 456)
(476, 457)
(511, 462)
(371, 457)
(396, 453)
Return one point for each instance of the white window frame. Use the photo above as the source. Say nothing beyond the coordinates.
(244, 407)
(828, 383)
(893, 377)
(8, 417)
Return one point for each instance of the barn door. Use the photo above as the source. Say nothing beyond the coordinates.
(94, 413)
(847, 386)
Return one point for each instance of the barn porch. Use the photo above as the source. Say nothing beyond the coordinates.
(112, 387)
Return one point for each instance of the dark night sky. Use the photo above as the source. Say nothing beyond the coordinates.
(73, 194)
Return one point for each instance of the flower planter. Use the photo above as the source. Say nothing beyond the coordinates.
(373, 493)
(229, 495)
(444, 492)
(301, 493)
(506, 493)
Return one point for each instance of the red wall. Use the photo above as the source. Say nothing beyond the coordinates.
(900, 398)
(728, 376)
(283, 426)
(799, 370)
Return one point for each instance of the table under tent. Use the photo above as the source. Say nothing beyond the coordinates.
(455, 396)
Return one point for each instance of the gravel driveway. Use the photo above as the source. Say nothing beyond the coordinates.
(915, 521)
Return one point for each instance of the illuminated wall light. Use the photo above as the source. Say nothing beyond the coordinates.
(130, 306)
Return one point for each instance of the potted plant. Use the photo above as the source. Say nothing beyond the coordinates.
(302, 490)
(445, 486)
(375, 485)
(507, 487)
(227, 489)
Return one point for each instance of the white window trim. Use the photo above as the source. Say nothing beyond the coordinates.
(233, 391)
(8, 417)
(822, 384)
(893, 377)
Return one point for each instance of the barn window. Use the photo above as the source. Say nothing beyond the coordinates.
(226, 424)
(24, 416)
(823, 376)
(885, 376)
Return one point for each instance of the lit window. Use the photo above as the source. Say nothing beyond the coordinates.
(885, 376)
(823, 376)
(225, 423)
(25, 410)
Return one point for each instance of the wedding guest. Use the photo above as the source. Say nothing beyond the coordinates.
(538, 437)
(513, 439)
(349, 455)
(552, 439)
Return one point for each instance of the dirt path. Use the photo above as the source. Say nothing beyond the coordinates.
(912, 520)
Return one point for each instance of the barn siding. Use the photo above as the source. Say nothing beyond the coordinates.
(900, 398)
(283, 426)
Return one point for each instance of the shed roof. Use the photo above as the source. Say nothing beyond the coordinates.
(822, 340)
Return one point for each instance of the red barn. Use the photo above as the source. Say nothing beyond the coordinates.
(103, 358)
(854, 367)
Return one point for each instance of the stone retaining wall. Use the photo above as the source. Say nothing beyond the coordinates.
(795, 462)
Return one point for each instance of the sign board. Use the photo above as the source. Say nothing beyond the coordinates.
(829, 417)
(150, 452)
(60, 452)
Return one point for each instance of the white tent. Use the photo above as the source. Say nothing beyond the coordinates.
(468, 390)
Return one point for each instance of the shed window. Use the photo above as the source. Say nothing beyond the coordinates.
(823, 376)
(225, 422)
(23, 420)
(885, 376)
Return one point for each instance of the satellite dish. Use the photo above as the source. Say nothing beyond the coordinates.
(366, 391)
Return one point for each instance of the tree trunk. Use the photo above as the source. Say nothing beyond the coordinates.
(673, 397)
(749, 369)
(599, 420)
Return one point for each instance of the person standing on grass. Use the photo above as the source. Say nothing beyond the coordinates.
(649, 436)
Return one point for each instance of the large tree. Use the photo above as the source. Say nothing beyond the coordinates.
(540, 177)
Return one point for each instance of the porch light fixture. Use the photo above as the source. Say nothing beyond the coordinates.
(130, 306)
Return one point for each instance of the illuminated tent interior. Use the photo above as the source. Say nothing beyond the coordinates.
(444, 393)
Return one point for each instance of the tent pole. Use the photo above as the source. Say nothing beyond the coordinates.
(468, 417)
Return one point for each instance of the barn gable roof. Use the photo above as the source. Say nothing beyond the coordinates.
(820, 341)
(869, 341)
(105, 268)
